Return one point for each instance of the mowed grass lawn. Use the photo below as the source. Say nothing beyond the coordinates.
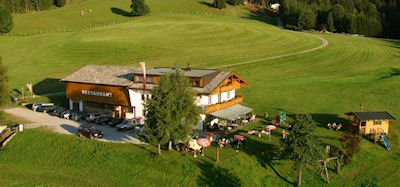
(160, 40)
(325, 83)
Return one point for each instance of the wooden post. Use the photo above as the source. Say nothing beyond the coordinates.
(218, 149)
(326, 172)
(159, 149)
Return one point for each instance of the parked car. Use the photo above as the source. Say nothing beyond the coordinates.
(126, 125)
(103, 120)
(56, 112)
(61, 115)
(36, 105)
(139, 128)
(45, 109)
(67, 114)
(89, 131)
(78, 116)
(91, 117)
(115, 121)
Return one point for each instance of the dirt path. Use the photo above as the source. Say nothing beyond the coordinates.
(65, 126)
(323, 44)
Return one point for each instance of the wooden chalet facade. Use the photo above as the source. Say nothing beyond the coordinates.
(372, 122)
(119, 90)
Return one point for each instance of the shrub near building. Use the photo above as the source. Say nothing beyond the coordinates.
(6, 21)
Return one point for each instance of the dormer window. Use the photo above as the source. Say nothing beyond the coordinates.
(140, 78)
(196, 82)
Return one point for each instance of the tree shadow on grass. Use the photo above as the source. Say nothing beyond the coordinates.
(262, 15)
(394, 73)
(265, 153)
(206, 3)
(213, 175)
(48, 85)
(121, 12)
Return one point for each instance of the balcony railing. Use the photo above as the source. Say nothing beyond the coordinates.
(225, 104)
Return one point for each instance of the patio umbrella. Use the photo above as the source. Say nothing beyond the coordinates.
(204, 142)
(239, 137)
(270, 127)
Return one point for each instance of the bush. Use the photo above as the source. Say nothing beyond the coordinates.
(219, 4)
(60, 3)
(235, 2)
(6, 21)
(139, 8)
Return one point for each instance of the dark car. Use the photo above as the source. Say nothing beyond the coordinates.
(114, 122)
(67, 114)
(89, 131)
(56, 112)
(78, 116)
(103, 120)
(45, 109)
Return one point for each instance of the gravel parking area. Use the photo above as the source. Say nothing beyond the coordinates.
(66, 126)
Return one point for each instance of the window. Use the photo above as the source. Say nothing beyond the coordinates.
(228, 95)
(142, 97)
(377, 122)
(196, 82)
(140, 78)
(149, 79)
(130, 109)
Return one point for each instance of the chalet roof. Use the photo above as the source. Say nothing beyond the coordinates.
(187, 72)
(378, 115)
(208, 88)
(103, 74)
(123, 76)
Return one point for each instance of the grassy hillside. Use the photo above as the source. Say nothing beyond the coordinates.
(325, 83)
(112, 12)
(159, 40)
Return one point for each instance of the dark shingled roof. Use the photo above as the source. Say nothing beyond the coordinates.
(379, 115)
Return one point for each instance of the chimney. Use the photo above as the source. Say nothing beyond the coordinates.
(361, 107)
(201, 65)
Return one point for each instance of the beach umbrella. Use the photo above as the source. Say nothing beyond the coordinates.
(239, 137)
(270, 127)
(204, 142)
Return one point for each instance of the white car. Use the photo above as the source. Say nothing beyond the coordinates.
(35, 106)
(127, 125)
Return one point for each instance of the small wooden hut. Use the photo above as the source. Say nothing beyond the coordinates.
(372, 122)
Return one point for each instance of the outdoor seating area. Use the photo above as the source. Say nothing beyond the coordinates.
(334, 126)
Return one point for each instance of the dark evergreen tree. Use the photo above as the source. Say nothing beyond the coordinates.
(6, 21)
(219, 4)
(235, 2)
(60, 3)
(306, 20)
(329, 23)
(171, 112)
(139, 8)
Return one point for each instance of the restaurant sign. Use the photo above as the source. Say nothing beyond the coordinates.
(96, 93)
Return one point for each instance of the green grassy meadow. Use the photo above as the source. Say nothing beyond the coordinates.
(48, 45)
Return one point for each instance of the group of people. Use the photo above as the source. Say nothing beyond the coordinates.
(334, 126)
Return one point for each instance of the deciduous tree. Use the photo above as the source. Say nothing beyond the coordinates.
(3, 83)
(139, 8)
(302, 146)
(219, 4)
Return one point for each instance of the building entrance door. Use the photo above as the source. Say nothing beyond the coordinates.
(117, 111)
(75, 106)
(123, 112)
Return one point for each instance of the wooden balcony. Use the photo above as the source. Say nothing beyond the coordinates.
(225, 104)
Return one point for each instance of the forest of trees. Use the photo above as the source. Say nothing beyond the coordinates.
(379, 18)
(23, 6)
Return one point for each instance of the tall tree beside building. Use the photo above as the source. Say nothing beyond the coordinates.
(171, 112)
(6, 21)
(302, 146)
(3, 83)
(139, 8)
